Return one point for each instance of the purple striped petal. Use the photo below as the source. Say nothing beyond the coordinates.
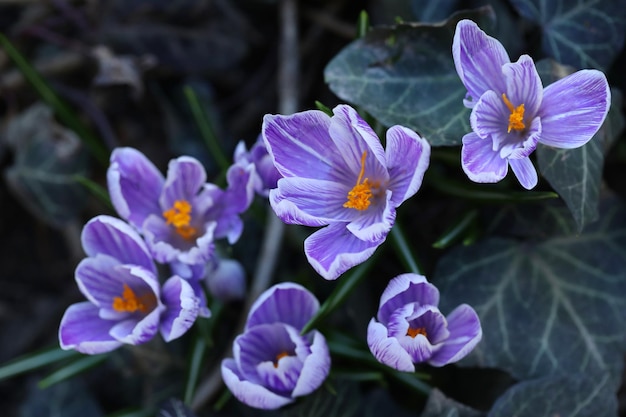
(287, 303)
(490, 117)
(333, 250)
(574, 108)
(248, 392)
(185, 177)
(311, 202)
(478, 59)
(315, 369)
(300, 146)
(352, 137)
(387, 350)
(134, 185)
(111, 236)
(181, 308)
(525, 172)
(465, 333)
(480, 162)
(405, 289)
(407, 156)
(83, 330)
(523, 85)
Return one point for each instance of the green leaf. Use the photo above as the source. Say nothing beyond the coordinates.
(48, 157)
(32, 361)
(405, 75)
(576, 174)
(439, 405)
(567, 395)
(582, 33)
(344, 288)
(547, 307)
(77, 367)
(62, 110)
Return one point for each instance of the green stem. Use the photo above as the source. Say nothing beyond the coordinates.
(456, 230)
(343, 289)
(402, 246)
(206, 129)
(481, 193)
(195, 365)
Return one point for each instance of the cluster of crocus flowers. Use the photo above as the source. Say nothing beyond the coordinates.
(512, 112)
(181, 215)
(126, 302)
(273, 362)
(411, 329)
(172, 220)
(335, 173)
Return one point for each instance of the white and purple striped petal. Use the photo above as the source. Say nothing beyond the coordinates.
(83, 330)
(407, 157)
(108, 235)
(134, 184)
(287, 302)
(333, 250)
(182, 307)
(574, 108)
(478, 59)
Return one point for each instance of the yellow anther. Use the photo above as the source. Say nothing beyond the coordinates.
(516, 119)
(359, 196)
(415, 331)
(129, 302)
(179, 216)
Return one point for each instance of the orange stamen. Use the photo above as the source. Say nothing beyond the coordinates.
(516, 119)
(129, 302)
(415, 331)
(179, 216)
(359, 196)
(279, 357)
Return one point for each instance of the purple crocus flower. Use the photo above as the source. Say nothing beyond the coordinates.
(411, 329)
(266, 174)
(512, 112)
(337, 174)
(180, 215)
(273, 363)
(126, 303)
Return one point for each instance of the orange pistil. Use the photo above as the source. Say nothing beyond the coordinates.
(129, 302)
(359, 196)
(179, 216)
(279, 357)
(415, 331)
(516, 119)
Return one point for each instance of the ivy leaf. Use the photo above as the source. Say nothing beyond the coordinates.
(47, 159)
(439, 405)
(566, 395)
(576, 174)
(405, 75)
(581, 33)
(547, 307)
